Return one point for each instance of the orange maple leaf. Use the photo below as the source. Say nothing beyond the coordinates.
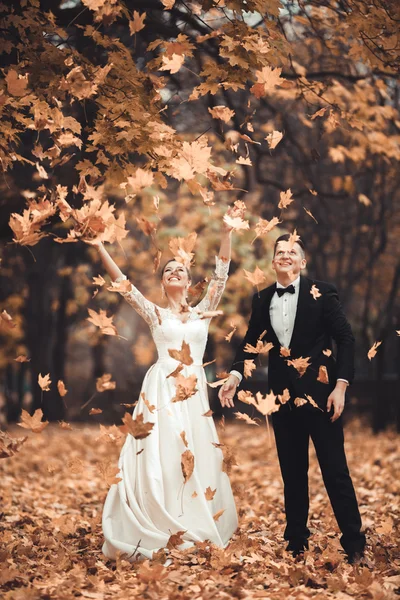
(315, 293)
(101, 320)
(136, 426)
(137, 23)
(219, 514)
(284, 397)
(323, 374)
(273, 139)
(172, 64)
(249, 367)
(260, 348)
(255, 278)
(312, 402)
(236, 223)
(34, 422)
(246, 418)
(300, 402)
(285, 199)
(182, 355)
(263, 226)
(185, 387)
(300, 364)
(209, 493)
(62, 390)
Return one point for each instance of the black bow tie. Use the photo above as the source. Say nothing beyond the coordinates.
(290, 289)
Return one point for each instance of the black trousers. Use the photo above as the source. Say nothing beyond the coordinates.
(293, 429)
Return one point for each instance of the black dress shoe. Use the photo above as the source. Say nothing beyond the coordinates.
(297, 549)
(356, 558)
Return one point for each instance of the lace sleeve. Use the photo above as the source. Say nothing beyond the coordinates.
(215, 287)
(143, 307)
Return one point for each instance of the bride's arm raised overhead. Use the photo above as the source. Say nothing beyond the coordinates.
(133, 296)
(218, 280)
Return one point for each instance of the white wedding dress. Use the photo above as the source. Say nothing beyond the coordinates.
(152, 502)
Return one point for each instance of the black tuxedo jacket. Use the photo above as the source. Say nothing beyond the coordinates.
(317, 323)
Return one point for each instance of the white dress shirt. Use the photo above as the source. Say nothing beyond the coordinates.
(282, 313)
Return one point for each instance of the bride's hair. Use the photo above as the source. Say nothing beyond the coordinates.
(173, 260)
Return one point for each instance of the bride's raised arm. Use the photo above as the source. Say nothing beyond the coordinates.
(218, 280)
(133, 296)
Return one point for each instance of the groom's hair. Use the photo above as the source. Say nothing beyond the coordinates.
(285, 238)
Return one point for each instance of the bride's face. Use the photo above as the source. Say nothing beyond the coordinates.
(175, 277)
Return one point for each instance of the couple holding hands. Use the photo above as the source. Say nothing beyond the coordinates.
(172, 480)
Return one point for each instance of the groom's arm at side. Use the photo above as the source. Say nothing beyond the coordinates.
(340, 330)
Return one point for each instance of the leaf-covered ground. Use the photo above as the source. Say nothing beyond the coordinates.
(52, 492)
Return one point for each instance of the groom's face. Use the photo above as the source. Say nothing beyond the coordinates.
(288, 259)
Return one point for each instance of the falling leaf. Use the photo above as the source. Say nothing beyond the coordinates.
(285, 199)
(6, 320)
(95, 411)
(181, 248)
(249, 366)
(22, 359)
(255, 278)
(150, 407)
(34, 422)
(141, 179)
(300, 402)
(176, 371)
(44, 382)
(244, 160)
(209, 493)
(312, 402)
(210, 314)
(284, 351)
(263, 226)
(137, 23)
(273, 139)
(182, 355)
(109, 473)
(260, 348)
(310, 214)
(101, 320)
(364, 200)
(184, 440)
(122, 286)
(219, 514)
(229, 335)
(136, 426)
(185, 387)
(246, 418)
(98, 280)
(373, 350)
(267, 79)
(323, 374)
(267, 404)
(104, 383)
(315, 293)
(327, 352)
(293, 238)
(62, 390)
(236, 223)
(187, 465)
(300, 364)
(221, 112)
(168, 4)
(64, 425)
(284, 397)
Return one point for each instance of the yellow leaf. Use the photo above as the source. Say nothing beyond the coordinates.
(62, 390)
(315, 293)
(323, 374)
(273, 139)
(373, 350)
(255, 278)
(244, 417)
(285, 199)
(209, 493)
(34, 422)
(138, 22)
(182, 355)
(249, 367)
(172, 64)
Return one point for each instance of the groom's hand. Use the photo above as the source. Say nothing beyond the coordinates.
(228, 390)
(336, 400)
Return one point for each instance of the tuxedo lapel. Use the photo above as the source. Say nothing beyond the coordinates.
(271, 335)
(303, 303)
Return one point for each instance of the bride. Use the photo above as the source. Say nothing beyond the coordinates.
(172, 480)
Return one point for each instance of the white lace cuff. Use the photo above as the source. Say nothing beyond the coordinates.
(221, 268)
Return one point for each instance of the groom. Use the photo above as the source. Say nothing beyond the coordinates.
(302, 316)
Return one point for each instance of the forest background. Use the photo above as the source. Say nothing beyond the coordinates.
(141, 122)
